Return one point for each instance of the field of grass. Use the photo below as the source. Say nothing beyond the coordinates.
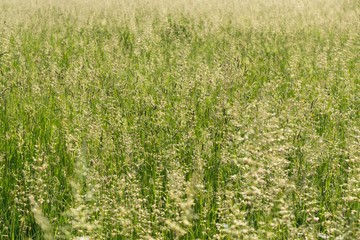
(186, 119)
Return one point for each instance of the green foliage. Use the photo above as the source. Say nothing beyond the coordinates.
(180, 121)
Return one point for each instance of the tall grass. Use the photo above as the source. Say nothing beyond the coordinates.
(185, 120)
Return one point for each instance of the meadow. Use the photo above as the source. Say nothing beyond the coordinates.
(186, 119)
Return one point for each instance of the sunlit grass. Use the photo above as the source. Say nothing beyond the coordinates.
(185, 120)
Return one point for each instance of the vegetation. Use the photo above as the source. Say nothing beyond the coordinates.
(180, 120)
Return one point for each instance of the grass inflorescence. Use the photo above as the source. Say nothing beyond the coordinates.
(179, 120)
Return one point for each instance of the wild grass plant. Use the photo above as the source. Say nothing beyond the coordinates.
(180, 120)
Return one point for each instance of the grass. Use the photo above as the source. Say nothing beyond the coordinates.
(184, 120)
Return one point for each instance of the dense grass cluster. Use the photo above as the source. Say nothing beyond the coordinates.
(180, 120)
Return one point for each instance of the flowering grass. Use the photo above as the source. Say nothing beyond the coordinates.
(180, 120)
